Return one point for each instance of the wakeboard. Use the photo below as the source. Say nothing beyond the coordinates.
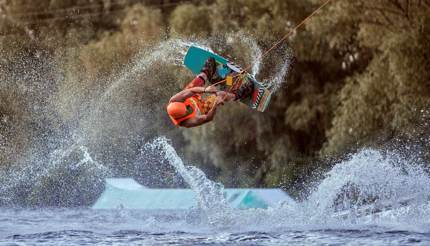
(233, 75)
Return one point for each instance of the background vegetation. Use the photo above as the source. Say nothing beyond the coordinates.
(361, 78)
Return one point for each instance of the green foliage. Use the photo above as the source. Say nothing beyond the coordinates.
(393, 90)
(141, 25)
(266, 20)
(89, 66)
(189, 20)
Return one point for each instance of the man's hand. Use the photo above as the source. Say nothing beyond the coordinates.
(219, 100)
(211, 89)
(200, 119)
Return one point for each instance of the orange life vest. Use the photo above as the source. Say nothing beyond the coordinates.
(207, 104)
(195, 103)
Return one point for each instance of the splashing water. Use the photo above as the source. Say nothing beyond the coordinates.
(37, 174)
(255, 58)
(369, 189)
(210, 194)
(278, 80)
(366, 190)
(67, 177)
(406, 183)
(36, 169)
(170, 51)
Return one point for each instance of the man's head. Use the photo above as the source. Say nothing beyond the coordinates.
(177, 110)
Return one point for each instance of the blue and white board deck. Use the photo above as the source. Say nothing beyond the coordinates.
(196, 58)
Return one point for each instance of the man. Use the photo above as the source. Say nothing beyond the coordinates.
(188, 109)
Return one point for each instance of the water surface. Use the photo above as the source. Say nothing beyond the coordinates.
(120, 227)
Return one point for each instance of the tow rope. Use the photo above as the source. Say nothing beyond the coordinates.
(278, 42)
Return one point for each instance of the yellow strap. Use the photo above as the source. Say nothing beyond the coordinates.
(229, 80)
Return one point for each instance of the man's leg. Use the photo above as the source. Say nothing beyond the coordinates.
(245, 90)
(209, 68)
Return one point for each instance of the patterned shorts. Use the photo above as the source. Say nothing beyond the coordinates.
(245, 90)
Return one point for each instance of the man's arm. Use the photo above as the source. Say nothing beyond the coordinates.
(201, 119)
(187, 93)
(197, 82)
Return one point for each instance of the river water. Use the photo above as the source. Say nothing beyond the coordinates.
(119, 227)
